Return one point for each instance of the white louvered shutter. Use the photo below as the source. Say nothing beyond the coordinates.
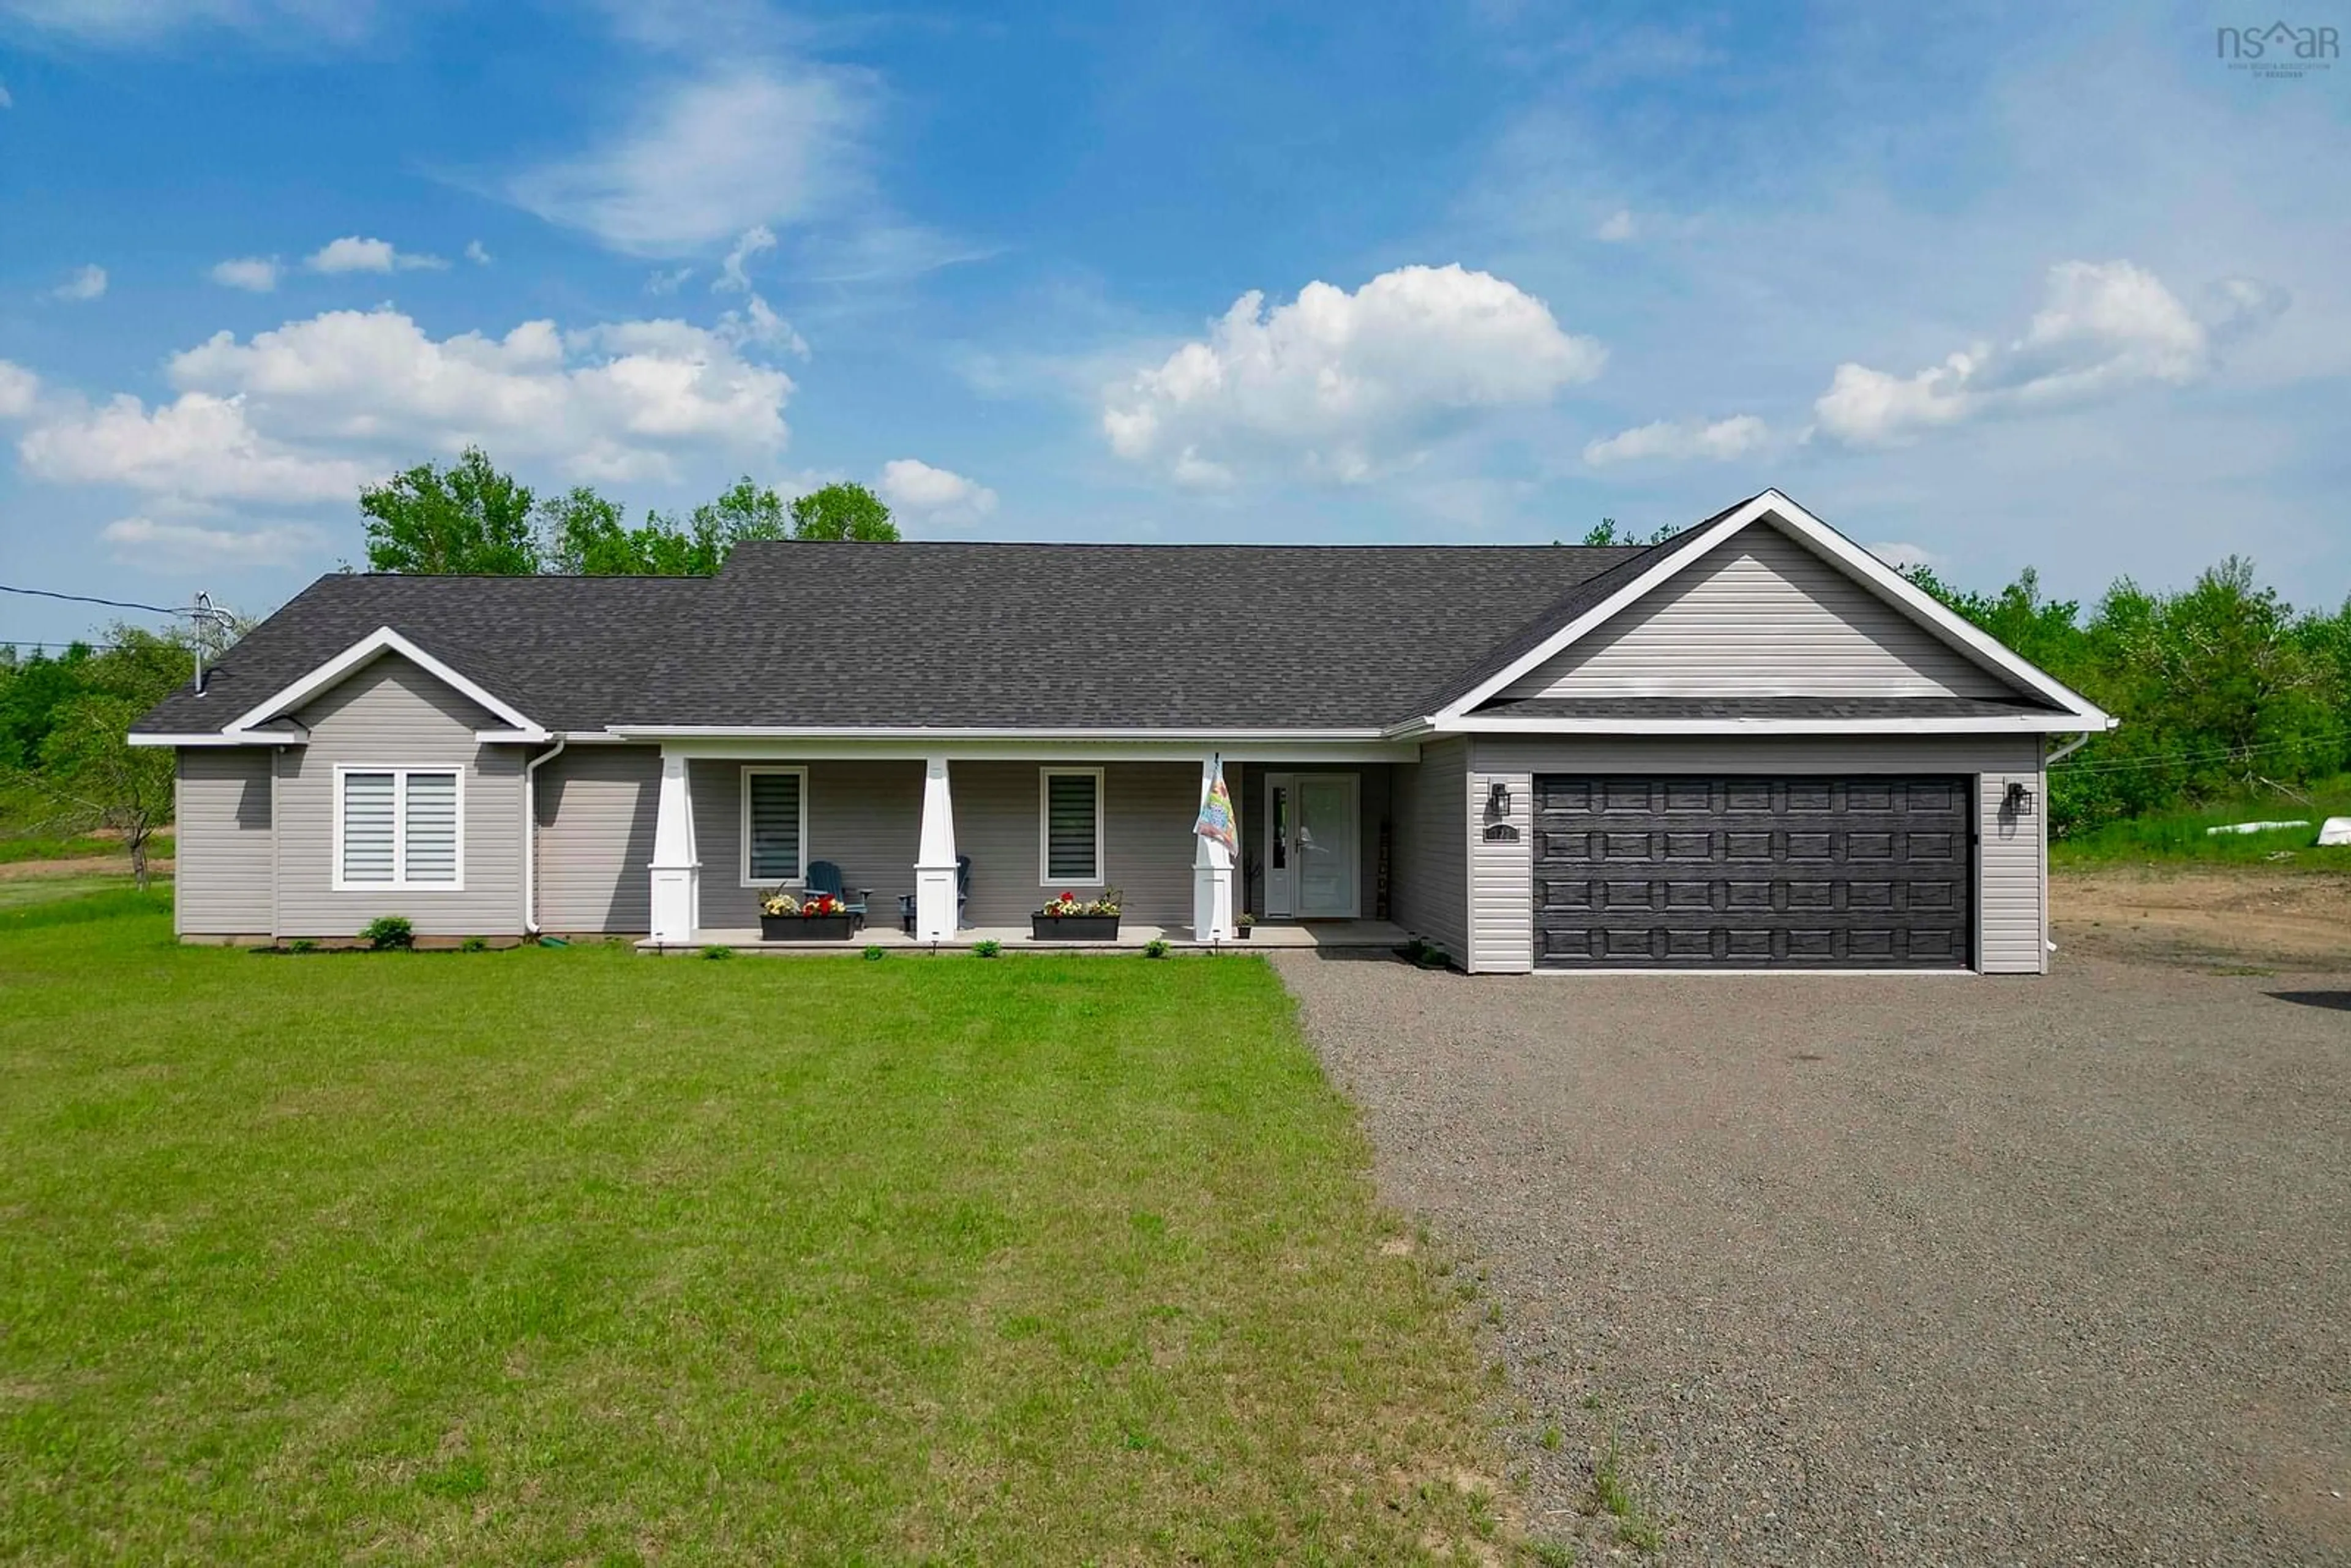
(1070, 810)
(775, 826)
(368, 826)
(431, 847)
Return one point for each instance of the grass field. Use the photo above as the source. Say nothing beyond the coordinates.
(2179, 837)
(13, 851)
(580, 1257)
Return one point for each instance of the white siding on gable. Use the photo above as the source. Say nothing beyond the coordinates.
(392, 713)
(1760, 615)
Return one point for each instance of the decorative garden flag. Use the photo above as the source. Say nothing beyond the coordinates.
(1216, 823)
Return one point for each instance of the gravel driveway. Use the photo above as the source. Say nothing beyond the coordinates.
(1933, 1271)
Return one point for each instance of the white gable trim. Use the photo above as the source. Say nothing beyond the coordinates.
(1862, 567)
(384, 640)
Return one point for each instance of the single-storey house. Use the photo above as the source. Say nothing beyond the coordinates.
(1751, 745)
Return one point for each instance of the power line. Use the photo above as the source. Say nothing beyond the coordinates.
(2233, 754)
(85, 599)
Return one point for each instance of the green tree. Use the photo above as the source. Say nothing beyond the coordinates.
(466, 517)
(585, 533)
(91, 770)
(1602, 532)
(842, 511)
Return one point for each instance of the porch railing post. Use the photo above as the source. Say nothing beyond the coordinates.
(676, 867)
(935, 859)
(1212, 876)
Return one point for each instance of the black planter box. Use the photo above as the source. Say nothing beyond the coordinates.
(807, 927)
(1241, 933)
(1073, 927)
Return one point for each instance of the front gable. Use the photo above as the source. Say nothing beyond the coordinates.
(1760, 615)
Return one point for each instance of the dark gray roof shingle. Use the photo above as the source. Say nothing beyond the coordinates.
(948, 635)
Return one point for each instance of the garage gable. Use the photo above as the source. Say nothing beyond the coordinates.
(1760, 615)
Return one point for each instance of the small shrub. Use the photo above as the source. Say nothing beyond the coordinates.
(872, 950)
(475, 944)
(718, 952)
(302, 945)
(987, 949)
(1157, 947)
(389, 933)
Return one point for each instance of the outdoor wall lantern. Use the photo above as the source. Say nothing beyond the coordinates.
(2019, 802)
(1498, 800)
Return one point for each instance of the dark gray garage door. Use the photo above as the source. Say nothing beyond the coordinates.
(1649, 872)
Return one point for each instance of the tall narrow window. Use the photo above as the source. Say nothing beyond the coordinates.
(775, 824)
(1070, 813)
(399, 826)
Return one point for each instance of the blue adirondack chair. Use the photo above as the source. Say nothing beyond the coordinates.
(824, 876)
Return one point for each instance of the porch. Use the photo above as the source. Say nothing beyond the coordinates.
(1325, 934)
(954, 849)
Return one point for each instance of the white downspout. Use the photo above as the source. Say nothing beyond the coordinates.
(531, 834)
(2070, 747)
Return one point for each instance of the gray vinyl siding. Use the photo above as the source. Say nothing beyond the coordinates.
(864, 817)
(1429, 891)
(222, 824)
(1761, 616)
(1148, 809)
(596, 807)
(392, 713)
(2012, 857)
(1501, 875)
(2012, 884)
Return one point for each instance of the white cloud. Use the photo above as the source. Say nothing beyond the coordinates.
(253, 273)
(146, 542)
(311, 409)
(5, 101)
(939, 495)
(668, 282)
(18, 387)
(710, 157)
(1903, 556)
(1722, 440)
(734, 276)
(199, 445)
(1617, 227)
(477, 252)
(354, 254)
(1341, 386)
(2104, 327)
(85, 284)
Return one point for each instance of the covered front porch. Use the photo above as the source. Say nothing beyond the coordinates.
(964, 847)
(1318, 933)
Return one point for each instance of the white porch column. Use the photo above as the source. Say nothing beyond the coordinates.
(676, 868)
(1212, 876)
(934, 858)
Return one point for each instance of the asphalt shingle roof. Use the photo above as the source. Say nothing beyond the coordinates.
(953, 635)
(1759, 707)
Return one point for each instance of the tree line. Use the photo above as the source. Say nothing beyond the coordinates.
(472, 518)
(2223, 687)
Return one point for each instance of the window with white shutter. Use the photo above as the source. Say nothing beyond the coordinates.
(399, 828)
(1069, 827)
(774, 825)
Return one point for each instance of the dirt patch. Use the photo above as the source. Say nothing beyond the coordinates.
(2205, 917)
(86, 865)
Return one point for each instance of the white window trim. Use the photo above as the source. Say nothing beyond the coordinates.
(1045, 877)
(400, 882)
(799, 877)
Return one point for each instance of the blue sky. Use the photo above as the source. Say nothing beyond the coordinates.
(1988, 288)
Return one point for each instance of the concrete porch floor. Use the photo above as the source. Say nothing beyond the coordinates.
(1016, 938)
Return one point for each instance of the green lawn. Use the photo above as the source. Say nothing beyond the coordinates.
(579, 1257)
(2179, 837)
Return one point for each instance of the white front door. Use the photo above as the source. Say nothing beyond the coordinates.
(1313, 846)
